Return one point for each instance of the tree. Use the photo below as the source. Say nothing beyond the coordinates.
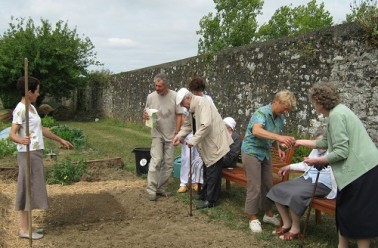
(288, 21)
(233, 25)
(361, 10)
(57, 56)
(365, 14)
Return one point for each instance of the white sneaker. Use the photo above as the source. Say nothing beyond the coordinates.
(34, 235)
(255, 226)
(272, 220)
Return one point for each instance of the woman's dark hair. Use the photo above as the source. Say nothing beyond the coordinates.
(197, 83)
(325, 94)
(32, 84)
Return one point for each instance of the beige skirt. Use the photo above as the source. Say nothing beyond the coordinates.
(37, 178)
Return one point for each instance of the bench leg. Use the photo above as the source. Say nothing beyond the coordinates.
(228, 184)
(318, 216)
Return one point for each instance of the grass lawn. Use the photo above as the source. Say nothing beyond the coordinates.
(110, 138)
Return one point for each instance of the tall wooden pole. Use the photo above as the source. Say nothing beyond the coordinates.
(190, 182)
(28, 180)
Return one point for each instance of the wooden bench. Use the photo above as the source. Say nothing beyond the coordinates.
(324, 205)
(237, 175)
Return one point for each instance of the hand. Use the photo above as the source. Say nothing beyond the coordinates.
(281, 154)
(145, 115)
(24, 140)
(176, 140)
(66, 144)
(283, 170)
(289, 141)
(318, 162)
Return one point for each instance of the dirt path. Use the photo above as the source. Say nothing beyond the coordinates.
(115, 213)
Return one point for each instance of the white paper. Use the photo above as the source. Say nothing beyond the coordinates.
(151, 122)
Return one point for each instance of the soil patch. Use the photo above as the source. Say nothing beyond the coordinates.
(114, 211)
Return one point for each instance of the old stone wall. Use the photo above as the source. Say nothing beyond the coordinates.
(242, 79)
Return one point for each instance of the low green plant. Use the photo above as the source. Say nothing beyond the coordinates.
(65, 173)
(49, 121)
(7, 147)
(75, 136)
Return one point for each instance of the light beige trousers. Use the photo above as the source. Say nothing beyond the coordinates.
(161, 165)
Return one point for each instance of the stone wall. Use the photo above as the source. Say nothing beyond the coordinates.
(242, 79)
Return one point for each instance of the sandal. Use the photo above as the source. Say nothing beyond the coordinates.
(281, 230)
(289, 236)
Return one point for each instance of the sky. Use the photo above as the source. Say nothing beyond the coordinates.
(133, 34)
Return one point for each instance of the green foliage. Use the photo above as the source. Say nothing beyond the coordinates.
(98, 77)
(233, 25)
(75, 136)
(49, 121)
(65, 173)
(360, 9)
(3, 125)
(7, 147)
(301, 151)
(288, 21)
(9, 98)
(57, 56)
(365, 13)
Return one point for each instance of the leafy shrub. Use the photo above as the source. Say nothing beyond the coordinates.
(301, 151)
(49, 121)
(65, 173)
(7, 147)
(3, 125)
(365, 13)
(75, 136)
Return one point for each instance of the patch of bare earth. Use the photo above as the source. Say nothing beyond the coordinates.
(114, 212)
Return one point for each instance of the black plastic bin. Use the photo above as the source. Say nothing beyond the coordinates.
(142, 159)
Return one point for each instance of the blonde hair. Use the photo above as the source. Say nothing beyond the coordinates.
(286, 97)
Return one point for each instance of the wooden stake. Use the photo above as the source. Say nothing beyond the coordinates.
(28, 179)
(190, 183)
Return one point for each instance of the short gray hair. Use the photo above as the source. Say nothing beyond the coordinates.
(163, 77)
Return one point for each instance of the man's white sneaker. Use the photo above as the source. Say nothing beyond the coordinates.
(255, 226)
(272, 220)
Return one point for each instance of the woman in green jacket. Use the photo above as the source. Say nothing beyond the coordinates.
(354, 158)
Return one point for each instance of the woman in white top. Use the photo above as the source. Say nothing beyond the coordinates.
(36, 145)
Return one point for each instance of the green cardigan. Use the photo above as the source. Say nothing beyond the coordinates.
(352, 153)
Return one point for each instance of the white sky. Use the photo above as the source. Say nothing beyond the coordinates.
(132, 34)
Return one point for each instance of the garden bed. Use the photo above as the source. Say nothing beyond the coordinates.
(114, 212)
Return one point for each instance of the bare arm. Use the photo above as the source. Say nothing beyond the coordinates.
(259, 131)
(179, 121)
(308, 143)
(48, 134)
(13, 135)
